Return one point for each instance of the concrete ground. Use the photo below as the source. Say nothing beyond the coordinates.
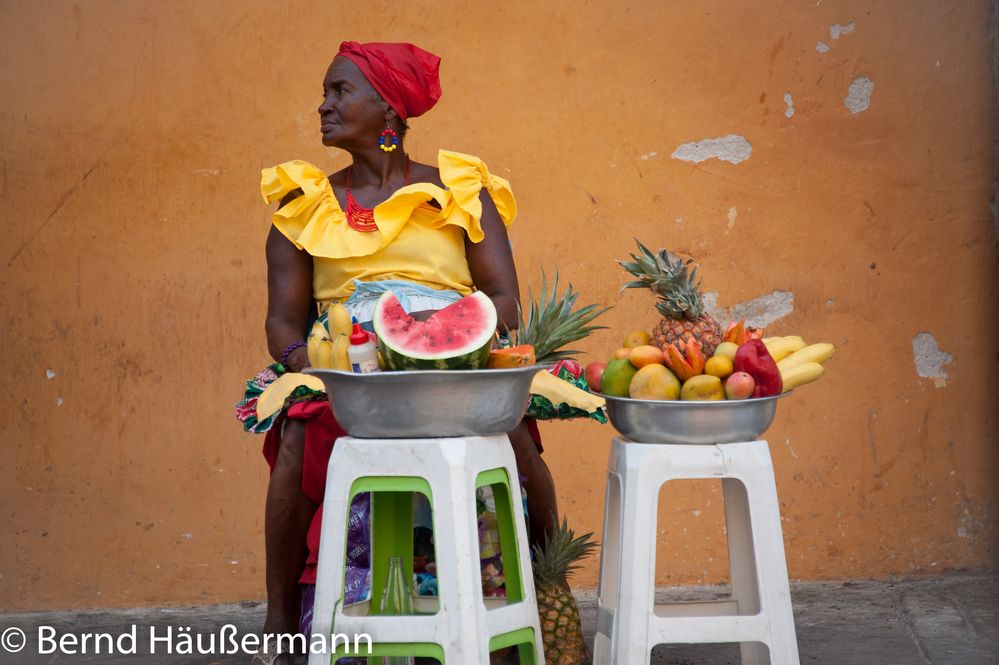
(947, 620)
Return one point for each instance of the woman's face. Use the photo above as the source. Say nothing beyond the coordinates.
(352, 113)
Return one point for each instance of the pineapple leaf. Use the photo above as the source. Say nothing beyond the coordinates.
(558, 558)
(551, 322)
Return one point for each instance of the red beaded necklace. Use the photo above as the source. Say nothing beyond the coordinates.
(360, 218)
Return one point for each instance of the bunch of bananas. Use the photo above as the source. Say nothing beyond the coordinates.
(327, 344)
(799, 363)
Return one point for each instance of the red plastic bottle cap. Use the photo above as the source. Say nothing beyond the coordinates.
(358, 335)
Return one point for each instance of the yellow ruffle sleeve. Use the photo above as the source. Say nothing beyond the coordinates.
(465, 176)
(315, 222)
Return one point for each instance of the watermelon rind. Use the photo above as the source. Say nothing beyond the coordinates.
(473, 355)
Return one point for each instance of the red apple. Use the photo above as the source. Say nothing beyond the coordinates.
(739, 385)
(592, 373)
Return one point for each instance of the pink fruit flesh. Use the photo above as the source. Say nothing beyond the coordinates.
(739, 386)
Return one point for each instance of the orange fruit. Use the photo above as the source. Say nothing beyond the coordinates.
(719, 366)
(622, 354)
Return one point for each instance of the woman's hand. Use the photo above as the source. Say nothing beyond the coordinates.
(491, 265)
(298, 360)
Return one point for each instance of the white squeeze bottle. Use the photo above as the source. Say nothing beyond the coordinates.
(362, 353)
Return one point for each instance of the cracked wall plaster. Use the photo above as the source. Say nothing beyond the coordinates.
(837, 30)
(858, 98)
(731, 148)
(758, 312)
(822, 47)
(930, 360)
(789, 100)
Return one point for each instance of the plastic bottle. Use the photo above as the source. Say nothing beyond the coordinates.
(397, 599)
(362, 352)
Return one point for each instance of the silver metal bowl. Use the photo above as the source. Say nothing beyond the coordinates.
(690, 422)
(428, 403)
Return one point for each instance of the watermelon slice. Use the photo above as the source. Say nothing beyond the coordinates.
(456, 337)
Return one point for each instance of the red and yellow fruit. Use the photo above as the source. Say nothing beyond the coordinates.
(592, 374)
(646, 354)
(739, 385)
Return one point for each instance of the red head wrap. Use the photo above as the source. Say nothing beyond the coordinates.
(404, 75)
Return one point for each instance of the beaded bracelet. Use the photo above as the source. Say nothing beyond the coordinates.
(288, 351)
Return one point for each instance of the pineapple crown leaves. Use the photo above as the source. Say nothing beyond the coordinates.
(551, 322)
(679, 292)
(558, 558)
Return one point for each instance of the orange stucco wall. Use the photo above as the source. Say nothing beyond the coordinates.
(132, 271)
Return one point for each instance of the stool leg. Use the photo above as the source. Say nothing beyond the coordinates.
(775, 592)
(636, 591)
(459, 573)
(742, 563)
(610, 565)
(332, 554)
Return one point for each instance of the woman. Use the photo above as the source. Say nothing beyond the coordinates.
(430, 233)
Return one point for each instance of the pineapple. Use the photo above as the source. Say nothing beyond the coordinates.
(551, 323)
(680, 301)
(554, 563)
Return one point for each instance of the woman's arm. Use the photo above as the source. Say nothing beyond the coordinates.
(289, 298)
(491, 265)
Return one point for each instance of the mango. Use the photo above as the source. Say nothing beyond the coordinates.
(702, 387)
(646, 354)
(654, 382)
(727, 350)
(617, 377)
(636, 338)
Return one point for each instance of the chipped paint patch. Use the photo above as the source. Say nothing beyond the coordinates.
(733, 215)
(206, 171)
(930, 360)
(789, 101)
(758, 312)
(647, 156)
(837, 30)
(858, 97)
(821, 47)
(731, 148)
(49, 374)
(60, 401)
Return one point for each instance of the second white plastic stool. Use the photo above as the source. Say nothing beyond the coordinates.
(758, 614)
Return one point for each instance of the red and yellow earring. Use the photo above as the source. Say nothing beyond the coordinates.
(388, 140)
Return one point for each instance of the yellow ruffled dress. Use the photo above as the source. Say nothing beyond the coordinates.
(421, 227)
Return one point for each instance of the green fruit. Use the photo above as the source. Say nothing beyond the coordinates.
(617, 377)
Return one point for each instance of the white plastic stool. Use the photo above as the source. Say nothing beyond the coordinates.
(463, 625)
(758, 614)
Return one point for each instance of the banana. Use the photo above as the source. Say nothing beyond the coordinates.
(325, 354)
(801, 374)
(813, 353)
(338, 320)
(314, 344)
(338, 351)
(782, 347)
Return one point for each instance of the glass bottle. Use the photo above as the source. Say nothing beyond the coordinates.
(397, 599)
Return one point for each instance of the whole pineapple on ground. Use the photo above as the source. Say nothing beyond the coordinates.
(554, 563)
(680, 300)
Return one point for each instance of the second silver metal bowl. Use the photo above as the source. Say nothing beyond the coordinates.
(691, 422)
